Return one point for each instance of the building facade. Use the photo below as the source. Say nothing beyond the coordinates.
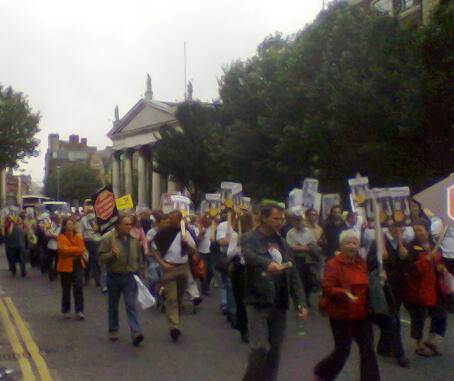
(133, 137)
(61, 154)
(413, 11)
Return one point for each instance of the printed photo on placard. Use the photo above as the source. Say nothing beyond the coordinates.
(328, 201)
(310, 189)
(401, 205)
(358, 189)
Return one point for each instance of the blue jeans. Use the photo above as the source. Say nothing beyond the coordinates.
(125, 284)
(227, 296)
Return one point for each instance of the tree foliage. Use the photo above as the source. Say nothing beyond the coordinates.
(355, 91)
(76, 182)
(18, 127)
(189, 151)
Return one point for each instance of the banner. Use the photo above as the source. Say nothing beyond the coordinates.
(328, 201)
(124, 202)
(295, 198)
(401, 205)
(105, 208)
(384, 201)
(181, 203)
(231, 194)
(212, 204)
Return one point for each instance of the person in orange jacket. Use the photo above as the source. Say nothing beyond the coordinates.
(71, 268)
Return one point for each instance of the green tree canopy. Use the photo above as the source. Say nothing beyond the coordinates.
(76, 182)
(189, 152)
(18, 128)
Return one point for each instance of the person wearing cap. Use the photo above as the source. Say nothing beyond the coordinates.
(269, 281)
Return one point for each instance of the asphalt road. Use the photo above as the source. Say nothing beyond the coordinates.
(208, 350)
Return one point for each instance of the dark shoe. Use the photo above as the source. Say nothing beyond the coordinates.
(403, 362)
(433, 348)
(384, 353)
(245, 337)
(66, 315)
(424, 352)
(197, 301)
(137, 338)
(113, 336)
(175, 334)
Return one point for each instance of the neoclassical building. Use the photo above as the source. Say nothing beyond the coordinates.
(133, 137)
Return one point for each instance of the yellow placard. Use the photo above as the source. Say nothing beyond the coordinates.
(124, 202)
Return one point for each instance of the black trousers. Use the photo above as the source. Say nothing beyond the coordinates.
(93, 269)
(74, 281)
(237, 278)
(390, 335)
(307, 272)
(51, 263)
(418, 315)
(15, 255)
(344, 332)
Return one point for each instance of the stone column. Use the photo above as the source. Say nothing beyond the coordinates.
(128, 172)
(155, 188)
(142, 180)
(171, 185)
(3, 187)
(116, 187)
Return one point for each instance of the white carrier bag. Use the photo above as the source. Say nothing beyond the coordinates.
(144, 297)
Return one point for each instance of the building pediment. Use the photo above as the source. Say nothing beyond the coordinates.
(146, 115)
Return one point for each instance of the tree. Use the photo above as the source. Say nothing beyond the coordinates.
(76, 182)
(188, 152)
(343, 95)
(18, 127)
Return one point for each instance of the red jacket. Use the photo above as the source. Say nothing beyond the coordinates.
(344, 274)
(421, 281)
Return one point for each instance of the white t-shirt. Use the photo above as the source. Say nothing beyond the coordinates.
(447, 245)
(221, 232)
(173, 254)
(300, 237)
(204, 244)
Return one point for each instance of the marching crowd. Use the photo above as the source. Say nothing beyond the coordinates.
(257, 260)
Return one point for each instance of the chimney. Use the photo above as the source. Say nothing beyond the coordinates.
(83, 142)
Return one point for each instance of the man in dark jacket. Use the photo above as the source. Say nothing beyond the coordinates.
(269, 282)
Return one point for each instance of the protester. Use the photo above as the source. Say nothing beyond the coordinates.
(52, 231)
(227, 242)
(307, 254)
(312, 223)
(390, 342)
(345, 292)
(422, 294)
(15, 245)
(123, 257)
(237, 277)
(447, 248)
(334, 225)
(172, 256)
(71, 266)
(89, 229)
(267, 289)
(203, 249)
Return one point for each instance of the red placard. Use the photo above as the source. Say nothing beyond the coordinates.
(105, 208)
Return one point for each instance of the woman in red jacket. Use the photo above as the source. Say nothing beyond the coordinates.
(345, 291)
(422, 293)
(71, 268)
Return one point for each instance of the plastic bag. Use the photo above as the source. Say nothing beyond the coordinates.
(144, 297)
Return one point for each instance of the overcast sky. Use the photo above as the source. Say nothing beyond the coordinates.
(77, 59)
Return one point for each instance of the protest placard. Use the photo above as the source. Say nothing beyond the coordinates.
(328, 201)
(310, 189)
(105, 209)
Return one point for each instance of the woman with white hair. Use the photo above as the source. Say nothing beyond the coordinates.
(345, 291)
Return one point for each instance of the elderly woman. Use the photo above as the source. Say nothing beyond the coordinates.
(345, 291)
(70, 266)
(422, 294)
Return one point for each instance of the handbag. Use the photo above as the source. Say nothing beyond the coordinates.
(378, 304)
(197, 266)
(86, 256)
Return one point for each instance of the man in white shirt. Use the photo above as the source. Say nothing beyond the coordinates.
(52, 233)
(307, 254)
(172, 255)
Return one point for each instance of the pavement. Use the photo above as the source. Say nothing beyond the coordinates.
(38, 344)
